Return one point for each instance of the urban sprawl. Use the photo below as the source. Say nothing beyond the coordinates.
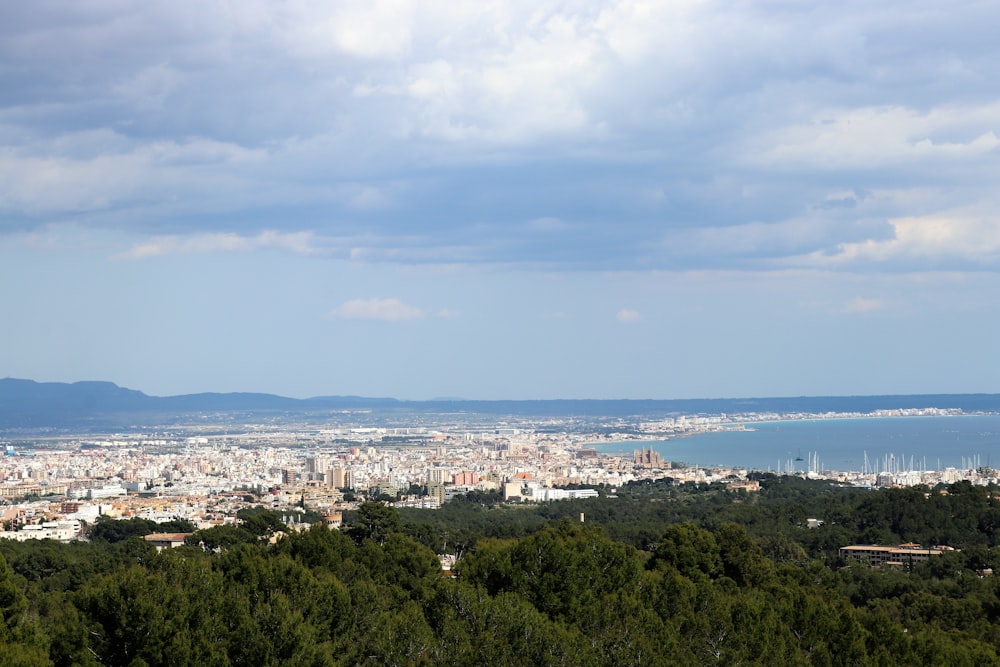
(205, 474)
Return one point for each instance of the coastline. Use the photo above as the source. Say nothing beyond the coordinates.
(851, 442)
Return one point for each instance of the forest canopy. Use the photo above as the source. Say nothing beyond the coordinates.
(662, 574)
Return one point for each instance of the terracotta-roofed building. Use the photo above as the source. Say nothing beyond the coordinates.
(166, 540)
(877, 555)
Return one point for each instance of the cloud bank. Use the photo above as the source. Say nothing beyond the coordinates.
(612, 135)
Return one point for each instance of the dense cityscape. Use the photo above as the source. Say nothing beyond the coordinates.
(205, 474)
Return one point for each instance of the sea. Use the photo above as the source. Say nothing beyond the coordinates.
(843, 444)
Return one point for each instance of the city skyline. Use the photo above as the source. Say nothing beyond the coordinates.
(501, 201)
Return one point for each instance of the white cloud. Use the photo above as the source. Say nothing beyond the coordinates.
(627, 315)
(713, 134)
(532, 78)
(864, 305)
(100, 171)
(959, 236)
(869, 137)
(313, 31)
(388, 310)
(297, 242)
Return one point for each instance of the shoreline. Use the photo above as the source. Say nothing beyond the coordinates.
(879, 455)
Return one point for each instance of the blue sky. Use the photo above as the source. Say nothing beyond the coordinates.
(502, 199)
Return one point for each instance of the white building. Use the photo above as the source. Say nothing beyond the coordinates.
(63, 531)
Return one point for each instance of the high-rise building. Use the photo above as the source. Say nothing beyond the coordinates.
(465, 478)
(438, 475)
(340, 478)
(435, 491)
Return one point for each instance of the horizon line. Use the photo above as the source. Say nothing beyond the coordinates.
(500, 400)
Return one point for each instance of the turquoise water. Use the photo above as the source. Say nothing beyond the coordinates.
(923, 443)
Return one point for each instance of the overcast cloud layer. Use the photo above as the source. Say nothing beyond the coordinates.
(799, 194)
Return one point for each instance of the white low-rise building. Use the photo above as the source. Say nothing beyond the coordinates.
(63, 531)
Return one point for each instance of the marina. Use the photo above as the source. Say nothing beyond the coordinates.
(870, 446)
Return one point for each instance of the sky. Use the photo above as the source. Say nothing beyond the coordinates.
(502, 199)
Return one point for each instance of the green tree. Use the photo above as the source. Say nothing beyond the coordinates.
(374, 521)
(106, 529)
(21, 641)
(691, 550)
(220, 537)
(743, 560)
(261, 521)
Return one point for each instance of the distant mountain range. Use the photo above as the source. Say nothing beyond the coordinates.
(26, 404)
(30, 404)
